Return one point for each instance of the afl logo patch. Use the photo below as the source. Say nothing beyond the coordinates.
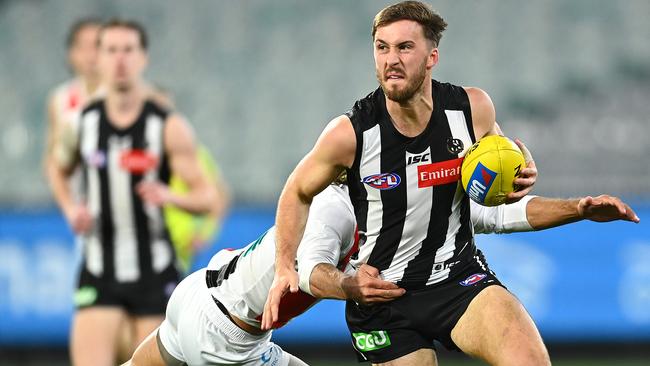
(96, 159)
(476, 277)
(454, 146)
(382, 181)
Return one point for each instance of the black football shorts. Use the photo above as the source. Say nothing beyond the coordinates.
(387, 331)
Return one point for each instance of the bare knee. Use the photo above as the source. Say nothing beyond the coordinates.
(532, 355)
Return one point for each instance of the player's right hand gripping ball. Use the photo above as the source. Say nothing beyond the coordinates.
(490, 168)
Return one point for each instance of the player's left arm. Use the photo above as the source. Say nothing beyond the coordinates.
(484, 123)
(181, 151)
(540, 213)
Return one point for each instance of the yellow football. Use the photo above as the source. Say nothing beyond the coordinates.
(490, 168)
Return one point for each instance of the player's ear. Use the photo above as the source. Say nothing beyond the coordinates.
(432, 58)
(145, 59)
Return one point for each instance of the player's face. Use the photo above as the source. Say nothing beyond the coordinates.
(82, 54)
(121, 58)
(403, 59)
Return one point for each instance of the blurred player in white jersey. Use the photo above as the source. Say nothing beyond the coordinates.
(130, 142)
(68, 99)
(214, 315)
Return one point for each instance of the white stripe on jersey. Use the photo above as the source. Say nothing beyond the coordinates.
(458, 127)
(418, 214)
(126, 259)
(88, 147)
(160, 251)
(371, 164)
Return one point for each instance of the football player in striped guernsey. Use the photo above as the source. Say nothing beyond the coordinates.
(128, 145)
(401, 147)
(213, 317)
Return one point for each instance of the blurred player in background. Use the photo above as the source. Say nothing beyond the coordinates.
(129, 144)
(68, 99)
(213, 316)
(189, 232)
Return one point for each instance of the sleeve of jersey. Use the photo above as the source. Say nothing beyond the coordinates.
(323, 242)
(501, 219)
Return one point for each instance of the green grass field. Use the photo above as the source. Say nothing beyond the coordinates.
(595, 355)
(571, 362)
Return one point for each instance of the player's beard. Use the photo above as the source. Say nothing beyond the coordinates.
(123, 86)
(412, 86)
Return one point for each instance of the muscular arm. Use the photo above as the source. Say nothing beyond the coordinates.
(363, 287)
(484, 123)
(544, 213)
(540, 213)
(57, 177)
(183, 160)
(50, 134)
(483, 113)
(59, 160)
(334, 151)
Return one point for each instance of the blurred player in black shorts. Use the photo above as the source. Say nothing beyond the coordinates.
(128, 145)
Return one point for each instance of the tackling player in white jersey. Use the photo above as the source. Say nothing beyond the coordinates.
(213, 317)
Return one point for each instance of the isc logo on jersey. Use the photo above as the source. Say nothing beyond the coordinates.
(382, 181)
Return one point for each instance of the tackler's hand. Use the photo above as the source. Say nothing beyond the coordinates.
(605, 208)
(366, 287)
(286, 279)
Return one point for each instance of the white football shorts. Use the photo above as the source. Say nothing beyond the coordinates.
(196, 332)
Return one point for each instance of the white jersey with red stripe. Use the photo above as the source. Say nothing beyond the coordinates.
(240, 279)
(69, 99)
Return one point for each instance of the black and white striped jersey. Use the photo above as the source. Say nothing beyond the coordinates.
(412, 212)
(129, 240)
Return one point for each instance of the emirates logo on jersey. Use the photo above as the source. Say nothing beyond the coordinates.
(138, 161)
(440, 173)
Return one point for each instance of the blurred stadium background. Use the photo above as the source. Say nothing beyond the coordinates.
(259, 80)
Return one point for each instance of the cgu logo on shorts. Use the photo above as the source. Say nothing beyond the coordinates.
(138, 161)
(382, 181)
(476, 277)
(377, 339)
(480, 182)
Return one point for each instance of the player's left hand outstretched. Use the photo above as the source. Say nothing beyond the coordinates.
(605, 208)
(527, 176)
(286, 279)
